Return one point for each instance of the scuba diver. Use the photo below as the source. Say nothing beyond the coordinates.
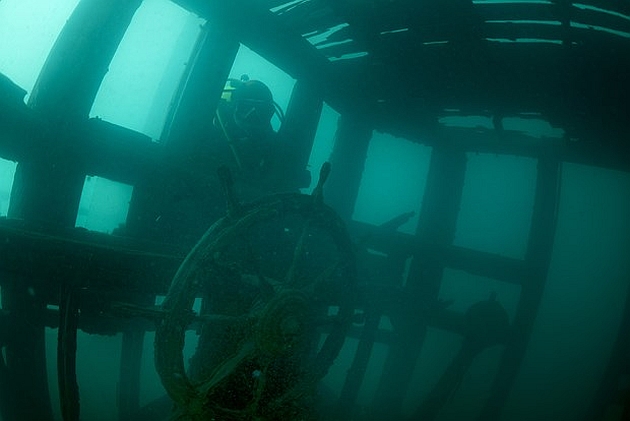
(188, 196)
(243, 117)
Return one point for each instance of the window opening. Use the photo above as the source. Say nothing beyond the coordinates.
(497, 203)
(104, 205)
(147, 67)
(322, 144)
(7, 172)
(28, 31)
(393, 181)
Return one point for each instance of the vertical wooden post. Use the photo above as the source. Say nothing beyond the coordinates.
(26, 352)
(618, 367)
(67, 351)
(47, 193)
(188, 139)
(74, 70)
(356, 372)
(393, 268)
(130, 366)
(538, 257)
(6, 405)
(192, 112)
(348, 161)
(298, 131)
(47, 186)
(437, 223)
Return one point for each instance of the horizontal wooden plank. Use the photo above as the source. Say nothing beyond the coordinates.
(529, 30)
(578, 32)
(296, 14)
(472, 261)
(265, 33)
(589, 16)
(117, 153)
(316, 25)
(313, 16)
(338, 50)
(339, 35)
(620, 6)
(102, 262)
(517, 11)
(272, 4)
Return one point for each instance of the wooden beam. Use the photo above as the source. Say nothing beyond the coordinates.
(613, 6)
(475, 262)
(77, 63)
(69, 293)
(47, 188)
(268, 35)
(115, 264)
(606, 148)
(25, 352)
(348, 160)
(130, 369)
(191, 115)
(297, 133)
(608, 392)
(517, 11)
(538, 258)
(117, 153)
(437, 224)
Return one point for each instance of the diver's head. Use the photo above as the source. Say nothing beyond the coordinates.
(252, 107)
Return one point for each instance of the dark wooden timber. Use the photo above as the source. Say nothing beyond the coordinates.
(67, 349)
(6, 392)
(72, 74)
(356, 372)
(191, 114)
(26, 373)
(579, 80)
(348, 159)
(130, 366)
(611, 390)
(64, 93)
(191, 151)
(300, 126)
(538, 257)
(47, 187)
(115, 264)
(268, 35)
(437, 224)
(476, 262)
(375, 303)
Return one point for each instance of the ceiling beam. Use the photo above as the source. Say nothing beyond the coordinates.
(268, 35)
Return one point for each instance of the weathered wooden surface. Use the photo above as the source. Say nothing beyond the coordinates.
(569, 63)
(113, 264)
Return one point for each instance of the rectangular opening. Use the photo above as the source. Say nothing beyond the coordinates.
(28, 31)
(497, 204)
(145, 72)
(104, 204)
(7, 173)
(393, 181)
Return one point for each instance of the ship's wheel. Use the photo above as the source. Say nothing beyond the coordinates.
(277, 279)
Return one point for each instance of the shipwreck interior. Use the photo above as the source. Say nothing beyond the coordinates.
(277, 296)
